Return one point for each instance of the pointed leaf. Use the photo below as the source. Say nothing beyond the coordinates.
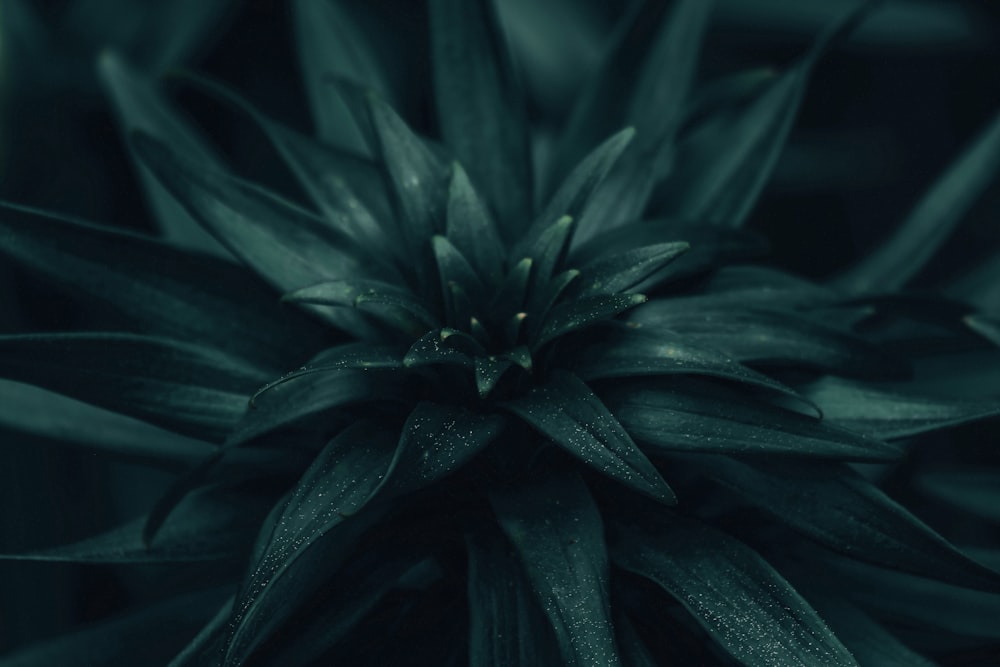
(557, 531)
(395, 306)
(480, 105)
(454, 268)
(573, 315)
(513, 291)
(722, 583)
(893, 411)
(576, 191)
(489, 370)
(157, 289)
(775, 338)
(330, 43)
(471, 229)
(70, 423)
(207, 644)
(841, 510)
(431, 348)
(986, 326)
(635, 352)
(193, 390)
(286, 246)
(568, 413)
(550, 250)
(700, 416)
(141, 106)
(620, 272)
(505, 624)
(929, 224)
(339, 483)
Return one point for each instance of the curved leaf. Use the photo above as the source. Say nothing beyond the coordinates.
(395, 306)
(471, 229)
(570, 415)
(619, 272)
(937, 213)
(570, 316)
(892, 411)
(558, 533)
(71, 423)
(480, 106)
(699, 416)
(743, 603)
(156, 288)
(973, 491)
(194, 390)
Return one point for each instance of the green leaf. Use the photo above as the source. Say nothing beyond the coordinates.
(700, 416)
(331, 44)
(838, 508)
(210, 524)
(432, 348)
(208, 643)
(117, 641)
(931, 221)
(633, 649)
(570, 415)
(760, 336)
(506, 627)
(417, 176)
(286, 246)
(394, 306)
(347, 189)
(893, 411)
(986, 326)
(577, 314)
(287, 403)
(727, 91)
(71, 423)
(141, 106)
(550, 250)
(619, 272)
(627, 352)
(489, 370)
(973, 491)
(557, 531)
(437, 440)
(576, 191)
(728, 158)
(339, 483)
(513, 290)
(157, 289)
(740, 600)
(480, 105)
(193, 390)
(454, 269)
(472, 230)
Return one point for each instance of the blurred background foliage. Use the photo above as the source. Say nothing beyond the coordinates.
(883, 115)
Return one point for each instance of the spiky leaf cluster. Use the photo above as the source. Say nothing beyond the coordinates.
(479, 403)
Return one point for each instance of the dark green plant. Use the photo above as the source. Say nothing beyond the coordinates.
(519, 404)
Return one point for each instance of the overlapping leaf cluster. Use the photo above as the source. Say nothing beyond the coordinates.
(515, 406)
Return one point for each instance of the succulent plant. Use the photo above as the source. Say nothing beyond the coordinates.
(500, 397)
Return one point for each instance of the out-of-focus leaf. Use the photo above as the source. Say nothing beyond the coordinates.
(550, 250)
(870, 643)
(338, 484)
(931, 221)
(573, 315)
(892, 411)
(988, 327)
(627, 352)
(979, 285)
(841, 510)
(727, 91)
(576, 191)
(568, 413)
(634, 651)
(117, 641)
(763, 337)
(740, 600)
(181, 386)
(158, 289)
(511, 295)
(974, 491)
(209, 524)
(505, 624)
(699, 416)
(728, 158)
(471, 228)
(206, 646)
(757, 287)
(69, 422)
(331, 44)
(454, 269)
(141, 106)
(558, 534)
(480, 106)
